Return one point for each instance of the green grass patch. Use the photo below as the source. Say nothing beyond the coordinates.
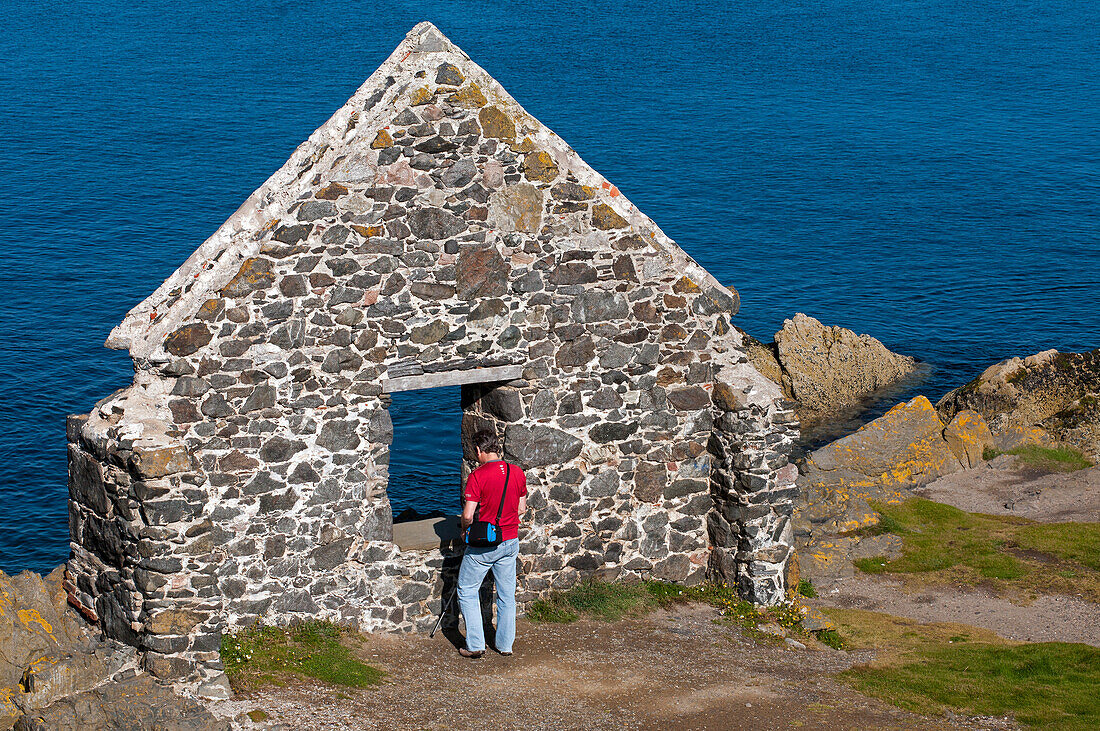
(613, 601)
(872, 564)
(1062, 458)
(597, 599)
(943, 544)
(267, 655)
(938, 537)
(1045, 685)
(898, 640)
(831, 638)
(806, 589)
(552, 610)
(886, 524)
(930, 667)
(1078, 542)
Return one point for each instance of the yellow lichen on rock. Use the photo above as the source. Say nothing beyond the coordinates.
(174, 621)
(420, 96)
(31, 616)
(540, 166)
(922, 462)
(382, 140)
(792, 576)
(826, 553)
(517, 208)
(210, 309)
(1014, 436)
(187, 339)
(468, 96)
(905, 446)
(814, 620)
(255, 273)
(159, 461)
(684, 285)
(880, 462)
(726, 397)
(524, 147)
(857, 517)
(604, 217)
(366, 231)
(9, 709)
(496, 124)
(1036, 400)
(968, 436)
(331, 192)
(449, 74)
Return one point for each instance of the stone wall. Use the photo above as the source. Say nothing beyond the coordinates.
(752, 484)
(430, 226)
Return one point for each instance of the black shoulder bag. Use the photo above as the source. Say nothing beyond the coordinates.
(482, 533)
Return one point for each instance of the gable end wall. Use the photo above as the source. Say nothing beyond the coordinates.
(243, 476)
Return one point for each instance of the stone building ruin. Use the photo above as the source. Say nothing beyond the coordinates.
(431, 232)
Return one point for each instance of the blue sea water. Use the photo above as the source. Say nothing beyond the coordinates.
(927, 172)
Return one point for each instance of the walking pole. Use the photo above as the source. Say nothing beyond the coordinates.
(450, 599)
(443, 610)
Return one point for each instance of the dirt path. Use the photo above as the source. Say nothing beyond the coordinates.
(1001, 488)
(677, 669)
(1047, 619)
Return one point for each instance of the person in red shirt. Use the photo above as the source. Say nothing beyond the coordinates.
(484, 488)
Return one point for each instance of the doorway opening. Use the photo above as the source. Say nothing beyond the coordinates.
(425, 475)
(434, 415)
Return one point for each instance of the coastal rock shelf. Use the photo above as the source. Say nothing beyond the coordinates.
(826, 369)
(431, 232)
(1048, 396)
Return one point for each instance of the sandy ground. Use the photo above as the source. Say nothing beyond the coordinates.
(1047, 619)
(675, 669)
(1001, 488)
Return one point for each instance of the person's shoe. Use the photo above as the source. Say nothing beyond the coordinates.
(506, 653)
(470, 653)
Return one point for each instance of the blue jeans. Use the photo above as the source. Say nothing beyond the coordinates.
(475, 564)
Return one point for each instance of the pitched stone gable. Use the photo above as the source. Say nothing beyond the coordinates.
(431, 226)
(431, 149)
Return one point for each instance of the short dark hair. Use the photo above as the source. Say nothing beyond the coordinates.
(486, 440)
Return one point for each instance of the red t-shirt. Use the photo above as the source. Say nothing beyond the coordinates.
(485, 485)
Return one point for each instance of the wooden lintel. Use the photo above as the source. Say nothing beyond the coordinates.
(452, 378)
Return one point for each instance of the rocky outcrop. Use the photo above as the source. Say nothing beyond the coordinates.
(831, 367)
(45, 653)
(1078, 424)
(903, 448)
(968, 436)
(765, 360)
(906, 447)
(826, 368)
(134, 702)
(55, 672)
(1049, 395)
